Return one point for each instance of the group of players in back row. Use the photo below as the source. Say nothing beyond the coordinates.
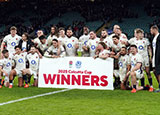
(20, 55)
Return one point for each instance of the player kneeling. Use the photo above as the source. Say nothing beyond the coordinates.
(5, 68)
(20, 64)
(33, 59)
(136, 72)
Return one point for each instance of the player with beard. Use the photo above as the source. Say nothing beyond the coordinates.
(70, 44)
(5, 68)
(52, 35)
(104, 38)
(83, 41)
(92, 44)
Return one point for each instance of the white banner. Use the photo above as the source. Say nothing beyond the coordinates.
(76, 72)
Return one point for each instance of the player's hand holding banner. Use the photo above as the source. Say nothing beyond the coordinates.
(76, 72)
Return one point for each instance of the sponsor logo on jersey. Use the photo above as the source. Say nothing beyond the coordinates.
(140, 47)
(20, 60)
(33, 62)
(93, 47)
(120, 64)
(13, 43)
(69, 45)
(8, 64)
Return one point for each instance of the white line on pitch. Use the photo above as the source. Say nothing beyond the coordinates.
(40, 95)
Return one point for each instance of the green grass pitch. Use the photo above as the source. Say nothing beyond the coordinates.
(80, 102)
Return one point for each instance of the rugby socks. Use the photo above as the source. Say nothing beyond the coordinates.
(0, 81)
(11, 82)
(142, 82)
(150, 81)
(134, 86)
(25, 79)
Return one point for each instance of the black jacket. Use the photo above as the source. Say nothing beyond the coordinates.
(157, 56)
(29, 44)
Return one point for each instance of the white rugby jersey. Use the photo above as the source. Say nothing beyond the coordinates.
(84, 39)
(108, 42)
(6, 63)
(37, 41)
(20, 61)
(33, 61)
(53, 51)
(69, 45)
(43, 47)
(92, 44)
(132, 41)
(11, 42)
(123, 61)
(104, 52)
(142, 46)
(122, 37)
(62, 39)
(49, 39)
(135, 59)
(117, 47)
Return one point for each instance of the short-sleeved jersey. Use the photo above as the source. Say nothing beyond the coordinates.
(11, 42)
(108, 42)
(84, 39)
(53, 51)
(20, 61)
(104, 52)
(123, 61)
(62, 39)
(37, 41)
(117, 47)
(69, 45)
(142, 46)
(50, 38)
(6, 63)
(136, 59)
(92, 44)
(33, 61)
(43, 47)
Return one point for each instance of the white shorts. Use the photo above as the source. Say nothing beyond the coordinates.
(139, 74)
(119, 74)
(146, 61)
(34, 73)
(19, 72)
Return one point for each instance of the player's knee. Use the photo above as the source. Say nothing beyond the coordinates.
(133, 74)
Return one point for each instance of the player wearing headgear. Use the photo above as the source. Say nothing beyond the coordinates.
(92, 44)
(20, 64)
(56, 50)
(70, 44)
(10, 41)
(5, 67)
